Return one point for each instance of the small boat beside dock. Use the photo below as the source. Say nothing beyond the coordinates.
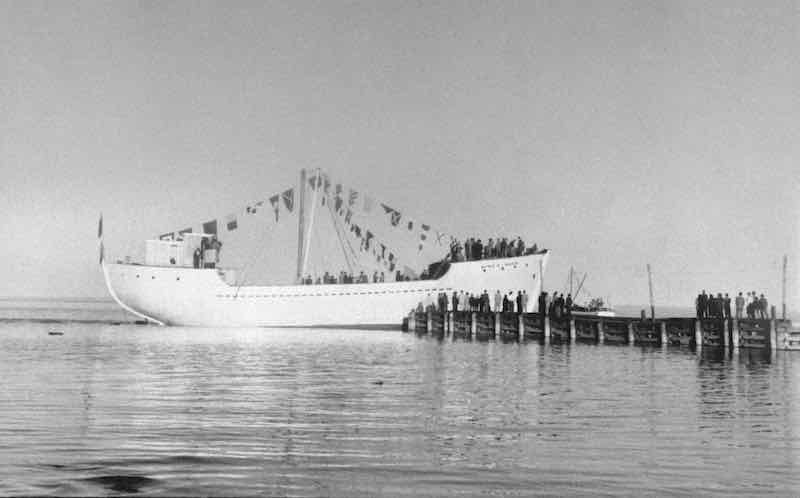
(730, 334)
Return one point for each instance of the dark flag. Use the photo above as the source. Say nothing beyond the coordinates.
(184, 232)
(367, 238)
(230, 222)
(167, 236)
(210, 227)
(100, 236)
(275, 201)
(288, 199)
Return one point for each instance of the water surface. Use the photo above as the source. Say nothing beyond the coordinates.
(128, 409)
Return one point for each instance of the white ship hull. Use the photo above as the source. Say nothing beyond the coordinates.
(200, 297)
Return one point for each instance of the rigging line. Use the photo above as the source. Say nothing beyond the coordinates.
(307, 243)
(342, 243)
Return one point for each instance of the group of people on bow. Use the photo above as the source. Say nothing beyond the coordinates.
(474, 249)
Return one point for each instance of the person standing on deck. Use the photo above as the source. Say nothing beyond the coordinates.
(519, 301)
(454, 302)
(498, 301)
(763, 307)
(568, 305)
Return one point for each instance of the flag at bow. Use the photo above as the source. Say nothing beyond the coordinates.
(100, 237)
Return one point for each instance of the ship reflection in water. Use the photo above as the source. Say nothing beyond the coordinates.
(124, 409)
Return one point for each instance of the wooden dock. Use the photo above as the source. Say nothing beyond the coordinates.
(771, 334)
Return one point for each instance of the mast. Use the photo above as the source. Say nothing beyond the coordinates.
(307, 243)
(783, 300)
(300, 228)
(571, 269)
(650, 284)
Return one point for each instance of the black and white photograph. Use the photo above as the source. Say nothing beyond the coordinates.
(400, 248)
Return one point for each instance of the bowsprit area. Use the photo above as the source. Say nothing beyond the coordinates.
(696, 333)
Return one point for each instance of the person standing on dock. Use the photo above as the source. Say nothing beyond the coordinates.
(727, 307)
(519, 301)
(739, 306)
(542, 304)
(762, 307)
(569, 304)
(524, 302)
(703, 299)
(454, 302)
(498, 301)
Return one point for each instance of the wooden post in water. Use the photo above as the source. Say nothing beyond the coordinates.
(631, 337)
(547, 329)
(412, 322)
(735, 335)
(497, 323)
(698, 333)
(773, 335)
(429, 322)
(664, 338)
(521, 326)
(601, 339)
(473, 326)
(726, 338)
(572, 331)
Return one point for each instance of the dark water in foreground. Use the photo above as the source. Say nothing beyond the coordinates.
(135, 409)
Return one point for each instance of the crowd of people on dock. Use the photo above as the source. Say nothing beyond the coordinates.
(483, 302)
(556, 305)
(719, 306)
(474, 249)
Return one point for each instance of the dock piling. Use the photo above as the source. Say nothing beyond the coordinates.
(698, 334)
(663, 329)
(473, 326)
(735, 335)
(601, 339)
(572, 331)
(547, 329)
(631, 337)
(521, 327)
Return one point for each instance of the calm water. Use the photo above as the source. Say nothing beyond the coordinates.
(123, 409)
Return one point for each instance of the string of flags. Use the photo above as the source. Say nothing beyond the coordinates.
(345, 203)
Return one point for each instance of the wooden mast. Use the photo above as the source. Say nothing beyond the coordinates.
(301, 225)
(783, 300)
(650, 284)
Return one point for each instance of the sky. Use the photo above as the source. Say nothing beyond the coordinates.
(615, 133)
